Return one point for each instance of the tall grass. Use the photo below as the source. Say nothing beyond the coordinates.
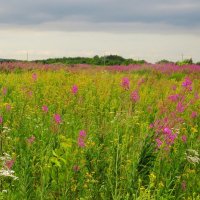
(125, 151)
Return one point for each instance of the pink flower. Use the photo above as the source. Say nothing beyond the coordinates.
(159, 142)
(169, 136)
(135, 96)
(81, 142)
(76, 168)
(45, 108)
(34, 77)
(82, 133)
(1, 119)
(174, 87)
(4, 91)
(151, 125)
(180, 108)
(142, 80)
(167, 131)
(125, 83)
(74, 89)
(57, 118)
(187, 84)
(9, 163)
(184, 138)
(8, 107)
(31, 139)
(174, 97)
(30, 93)
(81, 138)
(196, 96)
(183, 185)
(194, 114)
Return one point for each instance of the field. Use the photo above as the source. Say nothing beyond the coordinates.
(99, 133)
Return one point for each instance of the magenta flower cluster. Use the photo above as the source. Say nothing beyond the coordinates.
(81, 138)
(57, 118)
(45, 108)
(4, 91)
(125, 83)
(34, 77)
(135, 96)
(174, 97)
(180, 107)
(74, 89)
(187, 84)
(1, 119)
(169, 136)
(31, 139)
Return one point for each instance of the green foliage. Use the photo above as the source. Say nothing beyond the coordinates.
(146, 160)
(177, 76)
(185, 62)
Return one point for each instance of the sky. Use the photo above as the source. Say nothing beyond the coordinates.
(138, 29)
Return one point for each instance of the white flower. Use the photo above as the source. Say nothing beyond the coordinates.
(8, 173)
(6, 129)
(192, 156)
(5, 157)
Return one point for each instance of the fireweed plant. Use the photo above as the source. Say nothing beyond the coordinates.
(119, 132)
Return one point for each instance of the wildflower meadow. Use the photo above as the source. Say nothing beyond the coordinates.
(118, 132)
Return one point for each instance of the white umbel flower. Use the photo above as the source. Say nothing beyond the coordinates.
(192, 156)
(8, 173)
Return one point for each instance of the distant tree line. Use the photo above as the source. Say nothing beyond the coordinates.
(7, 60)
(180, 63)
(109, 60)
(101, 61)
(96, 60)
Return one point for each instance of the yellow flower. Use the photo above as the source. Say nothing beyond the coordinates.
(73, 188)
(152, 177)
(194, 130)
(191, 171)
(142, 189)
(161, 185)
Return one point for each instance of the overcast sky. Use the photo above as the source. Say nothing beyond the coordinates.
(140, 29)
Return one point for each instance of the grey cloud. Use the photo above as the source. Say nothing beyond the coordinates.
(93, 13)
